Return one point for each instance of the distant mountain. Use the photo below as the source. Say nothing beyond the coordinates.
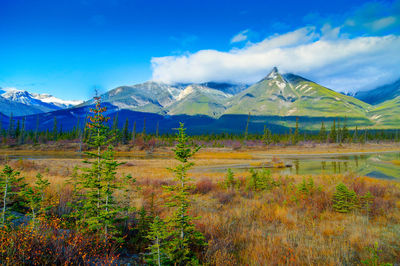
(21, 102)
(380, 94)
(277, 101)
(50, 99)
(228, 88)
(387, 114)
(161, 98)
(292, 95)
(150, 97)
(198, 99)
(9, 108)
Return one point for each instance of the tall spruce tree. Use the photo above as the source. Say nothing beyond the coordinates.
(322, 133)
(10, 184)
(183, 234)
(134, 131)
(35, 196)
(95, 208)
(37, 130)
(55, 129)
(345, 131)
(332, 133)
(246, 132)
(144, 128)
(267, 136)
(339, 132)
(296, 132)
(125, 132)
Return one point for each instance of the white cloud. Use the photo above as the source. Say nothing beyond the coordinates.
(338, 62)
(383, 23)
(240, 37)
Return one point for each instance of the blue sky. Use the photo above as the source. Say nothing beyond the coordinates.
(67, 47)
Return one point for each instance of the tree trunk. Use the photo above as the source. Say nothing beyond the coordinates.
(4, 203)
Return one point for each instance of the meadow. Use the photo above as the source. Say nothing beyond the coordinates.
(254, 218)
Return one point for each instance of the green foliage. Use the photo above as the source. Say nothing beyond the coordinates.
(296, 136)
(322, 133)
(345, 132)
(229, 181)
(306, 187)
(125, 132)
(267, 136)
(11, 185)
(95, 208)
(333, 133)
(183, 236)
(373, 258)
(344, 199)
(260, 180)
(158, 249)
(35, 196)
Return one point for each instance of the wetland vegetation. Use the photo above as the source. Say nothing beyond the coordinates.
(116, 203)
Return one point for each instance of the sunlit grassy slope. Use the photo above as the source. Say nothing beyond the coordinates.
(291, 95)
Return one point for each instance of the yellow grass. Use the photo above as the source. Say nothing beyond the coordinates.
(276, 227)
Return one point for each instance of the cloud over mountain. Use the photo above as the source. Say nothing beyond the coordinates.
(336, 61)
(357, 50)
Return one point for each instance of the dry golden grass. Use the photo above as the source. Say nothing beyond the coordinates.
(276, 227)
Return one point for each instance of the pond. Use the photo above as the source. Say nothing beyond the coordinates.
(382, 165)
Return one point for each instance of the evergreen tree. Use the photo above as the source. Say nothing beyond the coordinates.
(55, 129)
(37, 130)
(18, 130)
(322, 133)
(95, 208)
(10, 184)
(339, 132)
(21, 138)
(345, 131)
(134, 131)
(35, 196)
(355, 135)
(158, 235)
(344, 200)
(246, 132)
(115, 129)
(125, 132)
(267, 136)
(229, 181)
(144, 128)
(296, 132)
(183, 233)
(332, 133)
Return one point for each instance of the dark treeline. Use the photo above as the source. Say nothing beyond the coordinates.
(16, 133)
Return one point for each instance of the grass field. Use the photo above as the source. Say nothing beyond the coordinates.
(281, 225)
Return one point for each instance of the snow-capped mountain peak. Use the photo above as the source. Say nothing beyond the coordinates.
(47, 98)
(36, 103)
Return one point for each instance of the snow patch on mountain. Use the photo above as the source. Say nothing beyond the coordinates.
(47, 98)
(46, 101)
(187, 91)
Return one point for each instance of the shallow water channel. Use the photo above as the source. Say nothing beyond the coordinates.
(383, 165)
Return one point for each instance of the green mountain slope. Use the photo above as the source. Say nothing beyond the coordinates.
(291, 95)
(199, 100)
(150, 97)
(387, 114)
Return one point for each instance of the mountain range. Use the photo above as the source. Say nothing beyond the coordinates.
(21, 102)
(276, 100)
